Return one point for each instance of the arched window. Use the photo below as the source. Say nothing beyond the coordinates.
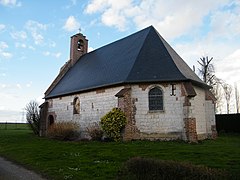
(76, 105)
(155, 99)
(80, 44)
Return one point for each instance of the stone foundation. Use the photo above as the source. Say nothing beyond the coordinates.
(161, 136)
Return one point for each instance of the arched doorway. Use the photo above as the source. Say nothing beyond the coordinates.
(50, 120)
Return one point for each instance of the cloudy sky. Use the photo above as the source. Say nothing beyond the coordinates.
(35, 37)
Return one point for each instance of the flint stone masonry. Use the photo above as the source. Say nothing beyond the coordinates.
(153, 123)
(198, 107)
(93, 105)
(187, 118)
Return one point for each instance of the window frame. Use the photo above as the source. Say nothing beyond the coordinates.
(155, 99)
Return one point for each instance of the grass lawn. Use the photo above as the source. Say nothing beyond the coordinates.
(102, 160)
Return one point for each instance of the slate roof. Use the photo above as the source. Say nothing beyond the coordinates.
(139, 58)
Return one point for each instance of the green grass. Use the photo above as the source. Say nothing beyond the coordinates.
(102, 160)
(13, 126)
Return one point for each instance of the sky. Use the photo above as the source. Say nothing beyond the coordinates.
(35, 38)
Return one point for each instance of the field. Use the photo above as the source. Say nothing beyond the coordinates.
(102, 160)
(13, 126)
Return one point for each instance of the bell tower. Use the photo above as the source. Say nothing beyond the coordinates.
(78, 47)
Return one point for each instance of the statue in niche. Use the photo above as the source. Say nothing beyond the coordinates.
(76, 106)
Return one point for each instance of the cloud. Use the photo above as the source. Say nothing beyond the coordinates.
(11, 3)
(225, 24)
(36, 29)
(114, 13)
(96, 6)
(10, 115)
(10, 87)
(6, 55)
(28, 85)
(3, 52)
(193, 28)
(229, 68)
(40, 100)
(71, 24)
(2, 27)
(14, 97)
(20, 45)
(2, 74)
(2, 86)
(171, 18)
(2, 108)
(18, 86)
(32, 48)
(3, 45)
(56, 55)
(19, 35)
(34, 26)
(46, 53)
(38, 38)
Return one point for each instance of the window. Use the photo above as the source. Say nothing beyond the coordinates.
(80, 45)
(76, 105)
(155, 98)
(173, 93)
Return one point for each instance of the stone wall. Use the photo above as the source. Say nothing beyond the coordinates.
(210, 116)
(166, 124)
(93, 105)
(186, 114)
(198, 107)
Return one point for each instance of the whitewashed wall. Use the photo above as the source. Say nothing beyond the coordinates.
(198, 108)
(93, 106)
(210, 116)
(170, 120)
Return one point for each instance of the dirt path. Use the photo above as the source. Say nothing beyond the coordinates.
(10, 171)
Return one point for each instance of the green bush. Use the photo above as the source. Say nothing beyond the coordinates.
(149, 169)
(66, 131)
(112, 123)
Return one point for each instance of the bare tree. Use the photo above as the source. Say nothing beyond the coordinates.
(207, 73)
(227, 89)
(33, 116)
(207, 70)
(217, 91)
(236, 97)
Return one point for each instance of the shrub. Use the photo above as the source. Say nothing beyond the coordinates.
(63, 131)
(146, 169)
(112, 123)
(33, 116)
(95, 132)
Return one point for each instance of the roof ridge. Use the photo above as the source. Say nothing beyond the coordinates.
(149, 28)
(190, 75)
(141, 57)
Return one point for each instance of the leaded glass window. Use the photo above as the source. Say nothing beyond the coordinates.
(155, 98)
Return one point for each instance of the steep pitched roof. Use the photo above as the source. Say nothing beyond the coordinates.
(141, 57)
